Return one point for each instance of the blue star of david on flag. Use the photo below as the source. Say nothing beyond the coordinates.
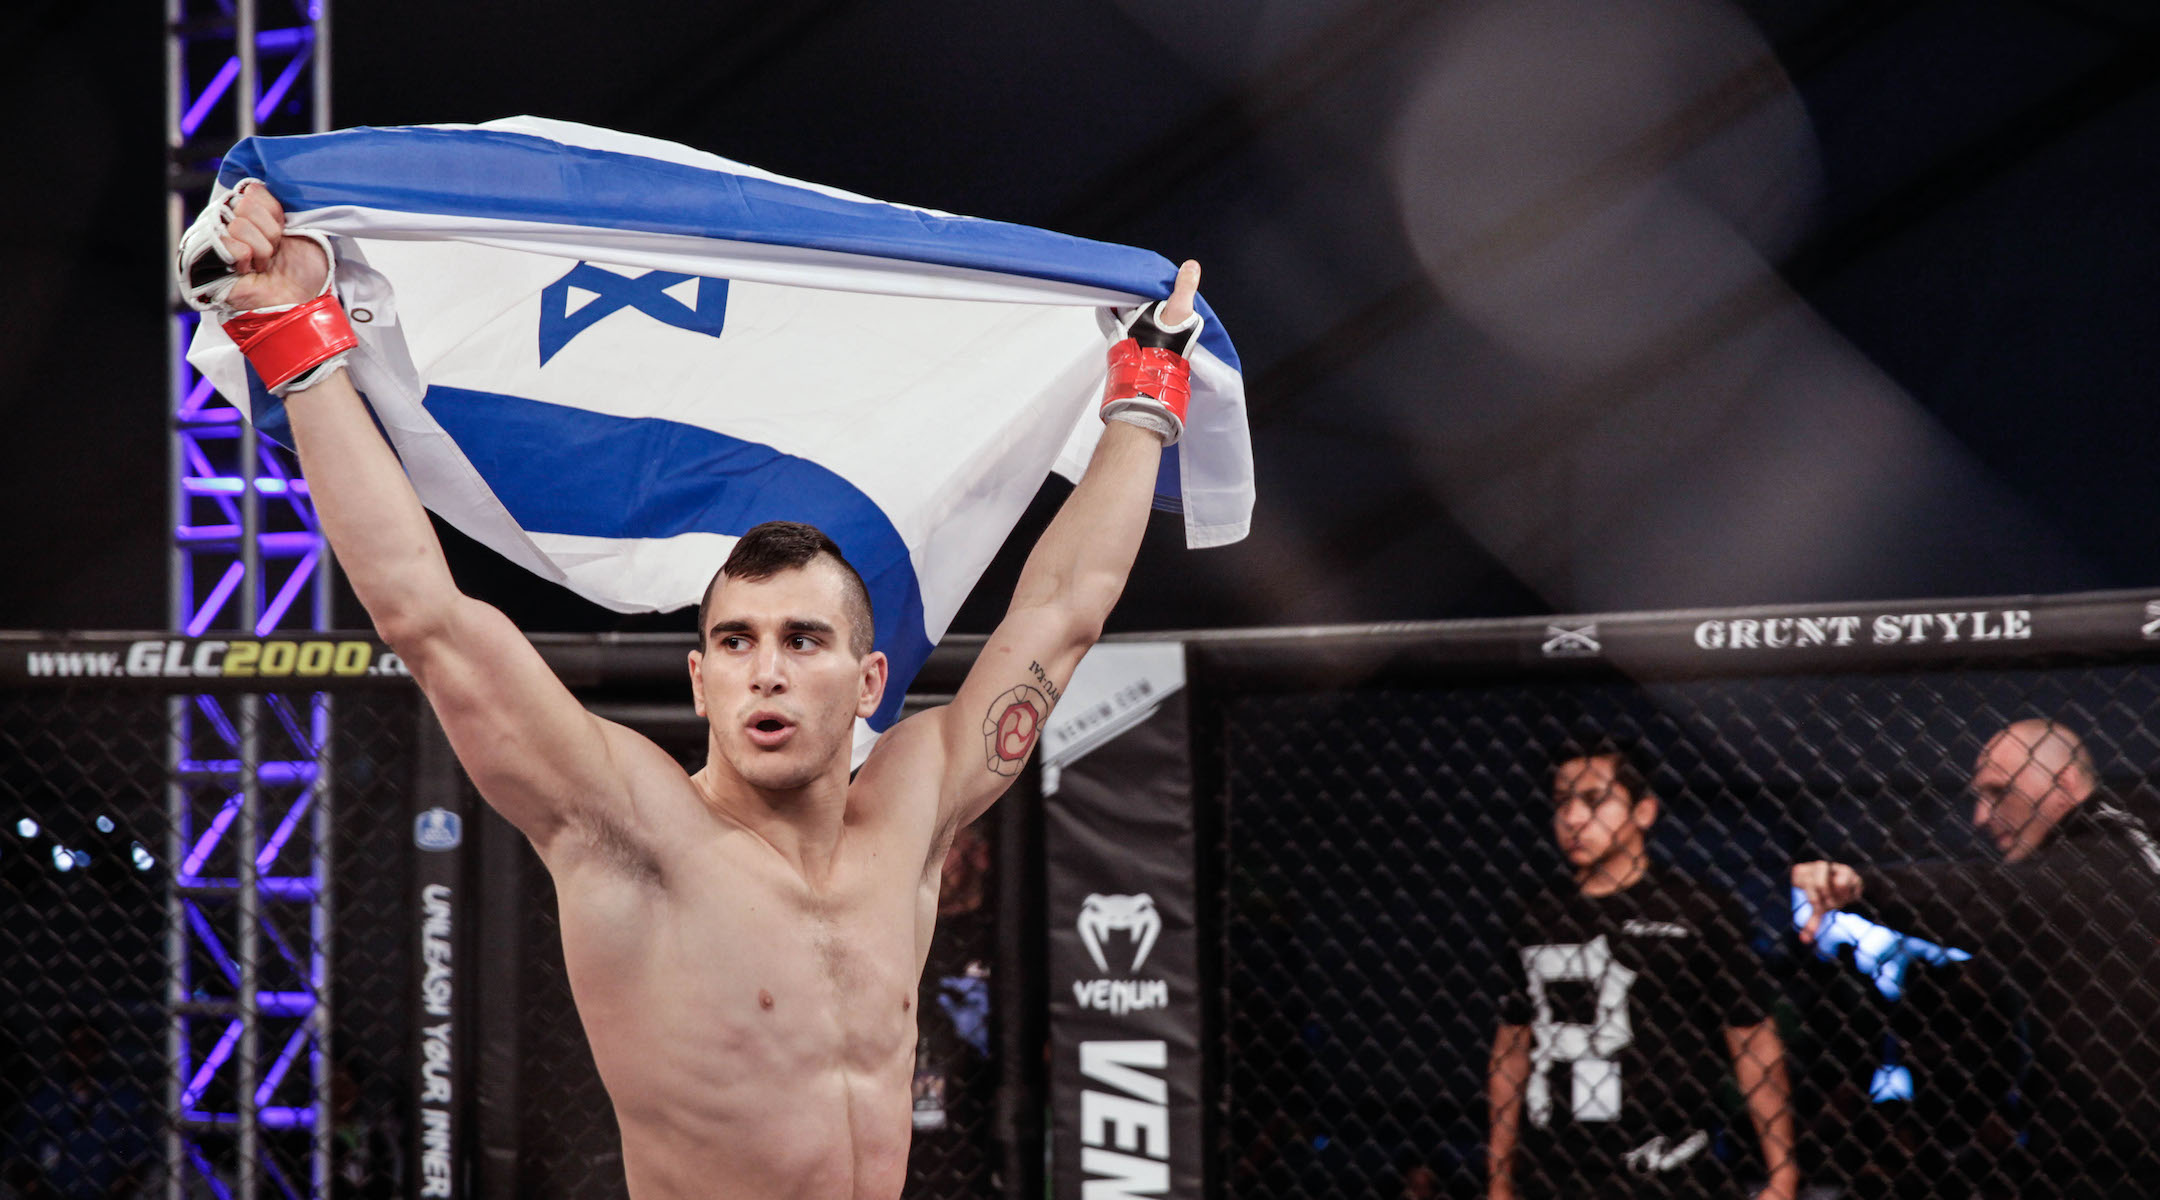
(647, 293)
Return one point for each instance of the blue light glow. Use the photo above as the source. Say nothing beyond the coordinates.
(63, 859)
(104, 824)
(1881, 953)
(1890, 1083)
(26, 827)
(211, 94)
(142, 857)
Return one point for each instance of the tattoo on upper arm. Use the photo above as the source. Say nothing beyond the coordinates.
(1043, 677)
(1011, 727)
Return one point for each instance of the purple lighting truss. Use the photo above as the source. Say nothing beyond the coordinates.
(248, 907)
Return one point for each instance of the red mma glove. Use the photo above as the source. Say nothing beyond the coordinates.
(292, 346)
(1150, 379)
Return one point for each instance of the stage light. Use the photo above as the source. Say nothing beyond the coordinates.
(104, 824)
(26, 827)
(143, 860)
(63, 859)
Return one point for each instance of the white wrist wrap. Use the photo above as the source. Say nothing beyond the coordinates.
(201, 261)
(1154, 420)
(204, 268)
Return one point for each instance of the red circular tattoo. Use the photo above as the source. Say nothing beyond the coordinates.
(1016, 730)
(1011, 726)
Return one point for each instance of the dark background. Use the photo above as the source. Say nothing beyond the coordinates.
(1536, 316)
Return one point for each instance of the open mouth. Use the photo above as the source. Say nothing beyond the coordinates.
(769, 731)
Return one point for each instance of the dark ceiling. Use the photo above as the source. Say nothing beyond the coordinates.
(1544, 305)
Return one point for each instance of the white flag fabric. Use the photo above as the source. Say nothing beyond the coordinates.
(606, 356)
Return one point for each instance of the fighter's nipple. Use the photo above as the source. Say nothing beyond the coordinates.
(906, 1003)
(764, 998)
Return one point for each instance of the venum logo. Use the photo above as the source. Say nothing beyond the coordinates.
(1100, 914)
(1580, 641)
(1124, 1120)
(1134, 916)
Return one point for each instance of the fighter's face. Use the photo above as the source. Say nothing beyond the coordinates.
(1595, 820)
(776, 681)
(2019, 795)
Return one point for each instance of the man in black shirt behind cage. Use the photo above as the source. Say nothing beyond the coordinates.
(2070, 912)
(1636, 999)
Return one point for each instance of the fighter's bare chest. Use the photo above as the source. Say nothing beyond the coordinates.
(733, 973)
(731, 916)
(845, 936)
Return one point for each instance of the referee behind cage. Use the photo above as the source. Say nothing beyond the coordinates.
(1636, 999)
(2070, 912)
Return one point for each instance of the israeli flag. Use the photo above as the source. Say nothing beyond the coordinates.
(606, 356)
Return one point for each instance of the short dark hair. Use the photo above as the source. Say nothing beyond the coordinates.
(776, 546)
(1625, 772)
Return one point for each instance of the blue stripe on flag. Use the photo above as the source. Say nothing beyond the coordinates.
(498, 174)
(1213, 339)
(566, 470)
(1169, 483)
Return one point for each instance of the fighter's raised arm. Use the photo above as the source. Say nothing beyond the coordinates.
(1077, 570)
(530, 747)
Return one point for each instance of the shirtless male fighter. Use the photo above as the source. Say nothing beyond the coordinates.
(744, 944)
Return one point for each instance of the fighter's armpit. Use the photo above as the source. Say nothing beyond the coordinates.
(1011, 726)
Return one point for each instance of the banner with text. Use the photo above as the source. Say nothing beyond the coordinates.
(439, 813)
(1125, 1008)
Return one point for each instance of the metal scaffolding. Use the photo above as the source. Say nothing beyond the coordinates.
(248, 904)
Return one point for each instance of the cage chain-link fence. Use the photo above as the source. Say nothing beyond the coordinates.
(957, 1153)
(1395, 893)
(1381, 851)
(82, 964)
(373, 959)
(86, 868)
(88, 856)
